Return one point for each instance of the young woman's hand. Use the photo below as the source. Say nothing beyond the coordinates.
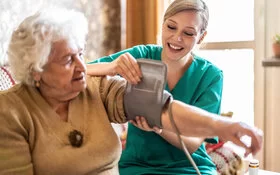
(127, 66)
(141, 123)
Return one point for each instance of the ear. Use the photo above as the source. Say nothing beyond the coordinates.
(36, 76)
(202, 37)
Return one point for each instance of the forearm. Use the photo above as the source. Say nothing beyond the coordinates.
(100, 69)
(192, 143)
(190, 120)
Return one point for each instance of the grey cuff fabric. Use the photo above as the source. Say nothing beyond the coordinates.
(148, 97)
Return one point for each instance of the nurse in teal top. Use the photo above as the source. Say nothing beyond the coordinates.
(190, 79)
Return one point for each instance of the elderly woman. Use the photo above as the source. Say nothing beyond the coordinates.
(58, 121)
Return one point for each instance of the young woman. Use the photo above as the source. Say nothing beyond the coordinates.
(190, 79)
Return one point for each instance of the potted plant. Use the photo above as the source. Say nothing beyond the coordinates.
(276, 45)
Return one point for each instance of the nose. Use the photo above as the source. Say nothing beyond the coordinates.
(80, 63)
(178, 36)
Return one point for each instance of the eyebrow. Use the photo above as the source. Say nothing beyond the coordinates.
(188, 27)
(71, 53)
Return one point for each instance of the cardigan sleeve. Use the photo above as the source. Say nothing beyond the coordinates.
(15, 156)
(112, 93)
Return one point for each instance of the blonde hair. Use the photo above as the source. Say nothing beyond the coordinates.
(31, 42)
(195, 5)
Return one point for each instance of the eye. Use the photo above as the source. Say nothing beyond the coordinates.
(70, 60)
(67, 60)
(188, 34)
(171, 27)
(81, 55)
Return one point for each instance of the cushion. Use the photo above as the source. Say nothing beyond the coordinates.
(226, 160)
(6, 80)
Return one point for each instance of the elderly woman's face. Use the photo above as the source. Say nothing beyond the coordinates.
(64, 74)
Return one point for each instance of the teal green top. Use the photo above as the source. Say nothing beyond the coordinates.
(148, 153)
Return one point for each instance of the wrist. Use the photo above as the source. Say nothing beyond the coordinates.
(215, 126)
(111, 69)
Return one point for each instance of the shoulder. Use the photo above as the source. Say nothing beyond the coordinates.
(11, 96)
(206, 66)
(93, 81)
(98, 80)
(14, 113)
(151, 47)
(102, 83)
(147, 48)
(139, 51)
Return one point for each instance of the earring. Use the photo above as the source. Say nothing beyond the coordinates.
(37, 83)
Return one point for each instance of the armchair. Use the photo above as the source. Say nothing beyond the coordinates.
(6, 80)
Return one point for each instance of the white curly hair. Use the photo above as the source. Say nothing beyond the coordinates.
(31, 42)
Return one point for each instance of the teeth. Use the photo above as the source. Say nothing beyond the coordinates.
(174, 47)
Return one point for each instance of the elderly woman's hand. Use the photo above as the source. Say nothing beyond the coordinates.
(127, 66)
(233, 131)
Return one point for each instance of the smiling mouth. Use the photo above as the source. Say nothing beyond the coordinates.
(176, 48)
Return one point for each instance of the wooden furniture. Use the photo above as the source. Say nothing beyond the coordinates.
(263, 172)
(271, 62)
(271, 117)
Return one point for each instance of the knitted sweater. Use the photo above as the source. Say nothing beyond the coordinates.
(34, 140)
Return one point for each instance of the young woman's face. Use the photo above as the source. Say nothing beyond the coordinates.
(180, 33)
(64, 74)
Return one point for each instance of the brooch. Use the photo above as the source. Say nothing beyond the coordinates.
(76, 138)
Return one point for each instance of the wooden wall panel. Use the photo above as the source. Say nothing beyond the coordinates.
(142, 22)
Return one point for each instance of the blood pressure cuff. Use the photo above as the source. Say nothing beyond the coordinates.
(148, 97)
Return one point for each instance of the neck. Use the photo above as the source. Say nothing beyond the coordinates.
(59, 106)
(180, 65)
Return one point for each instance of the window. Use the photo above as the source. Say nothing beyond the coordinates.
(230, 20)
(230, 45)
(238, 89)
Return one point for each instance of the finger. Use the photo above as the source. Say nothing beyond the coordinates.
(256, 142)
(120, 72)
(256, 136)
(142, 122)
(138, 121)
(157, 130)
(123, 70)
(135, 66)
(145, 124)
(133, 122)
(237, 140)
(129, 69)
